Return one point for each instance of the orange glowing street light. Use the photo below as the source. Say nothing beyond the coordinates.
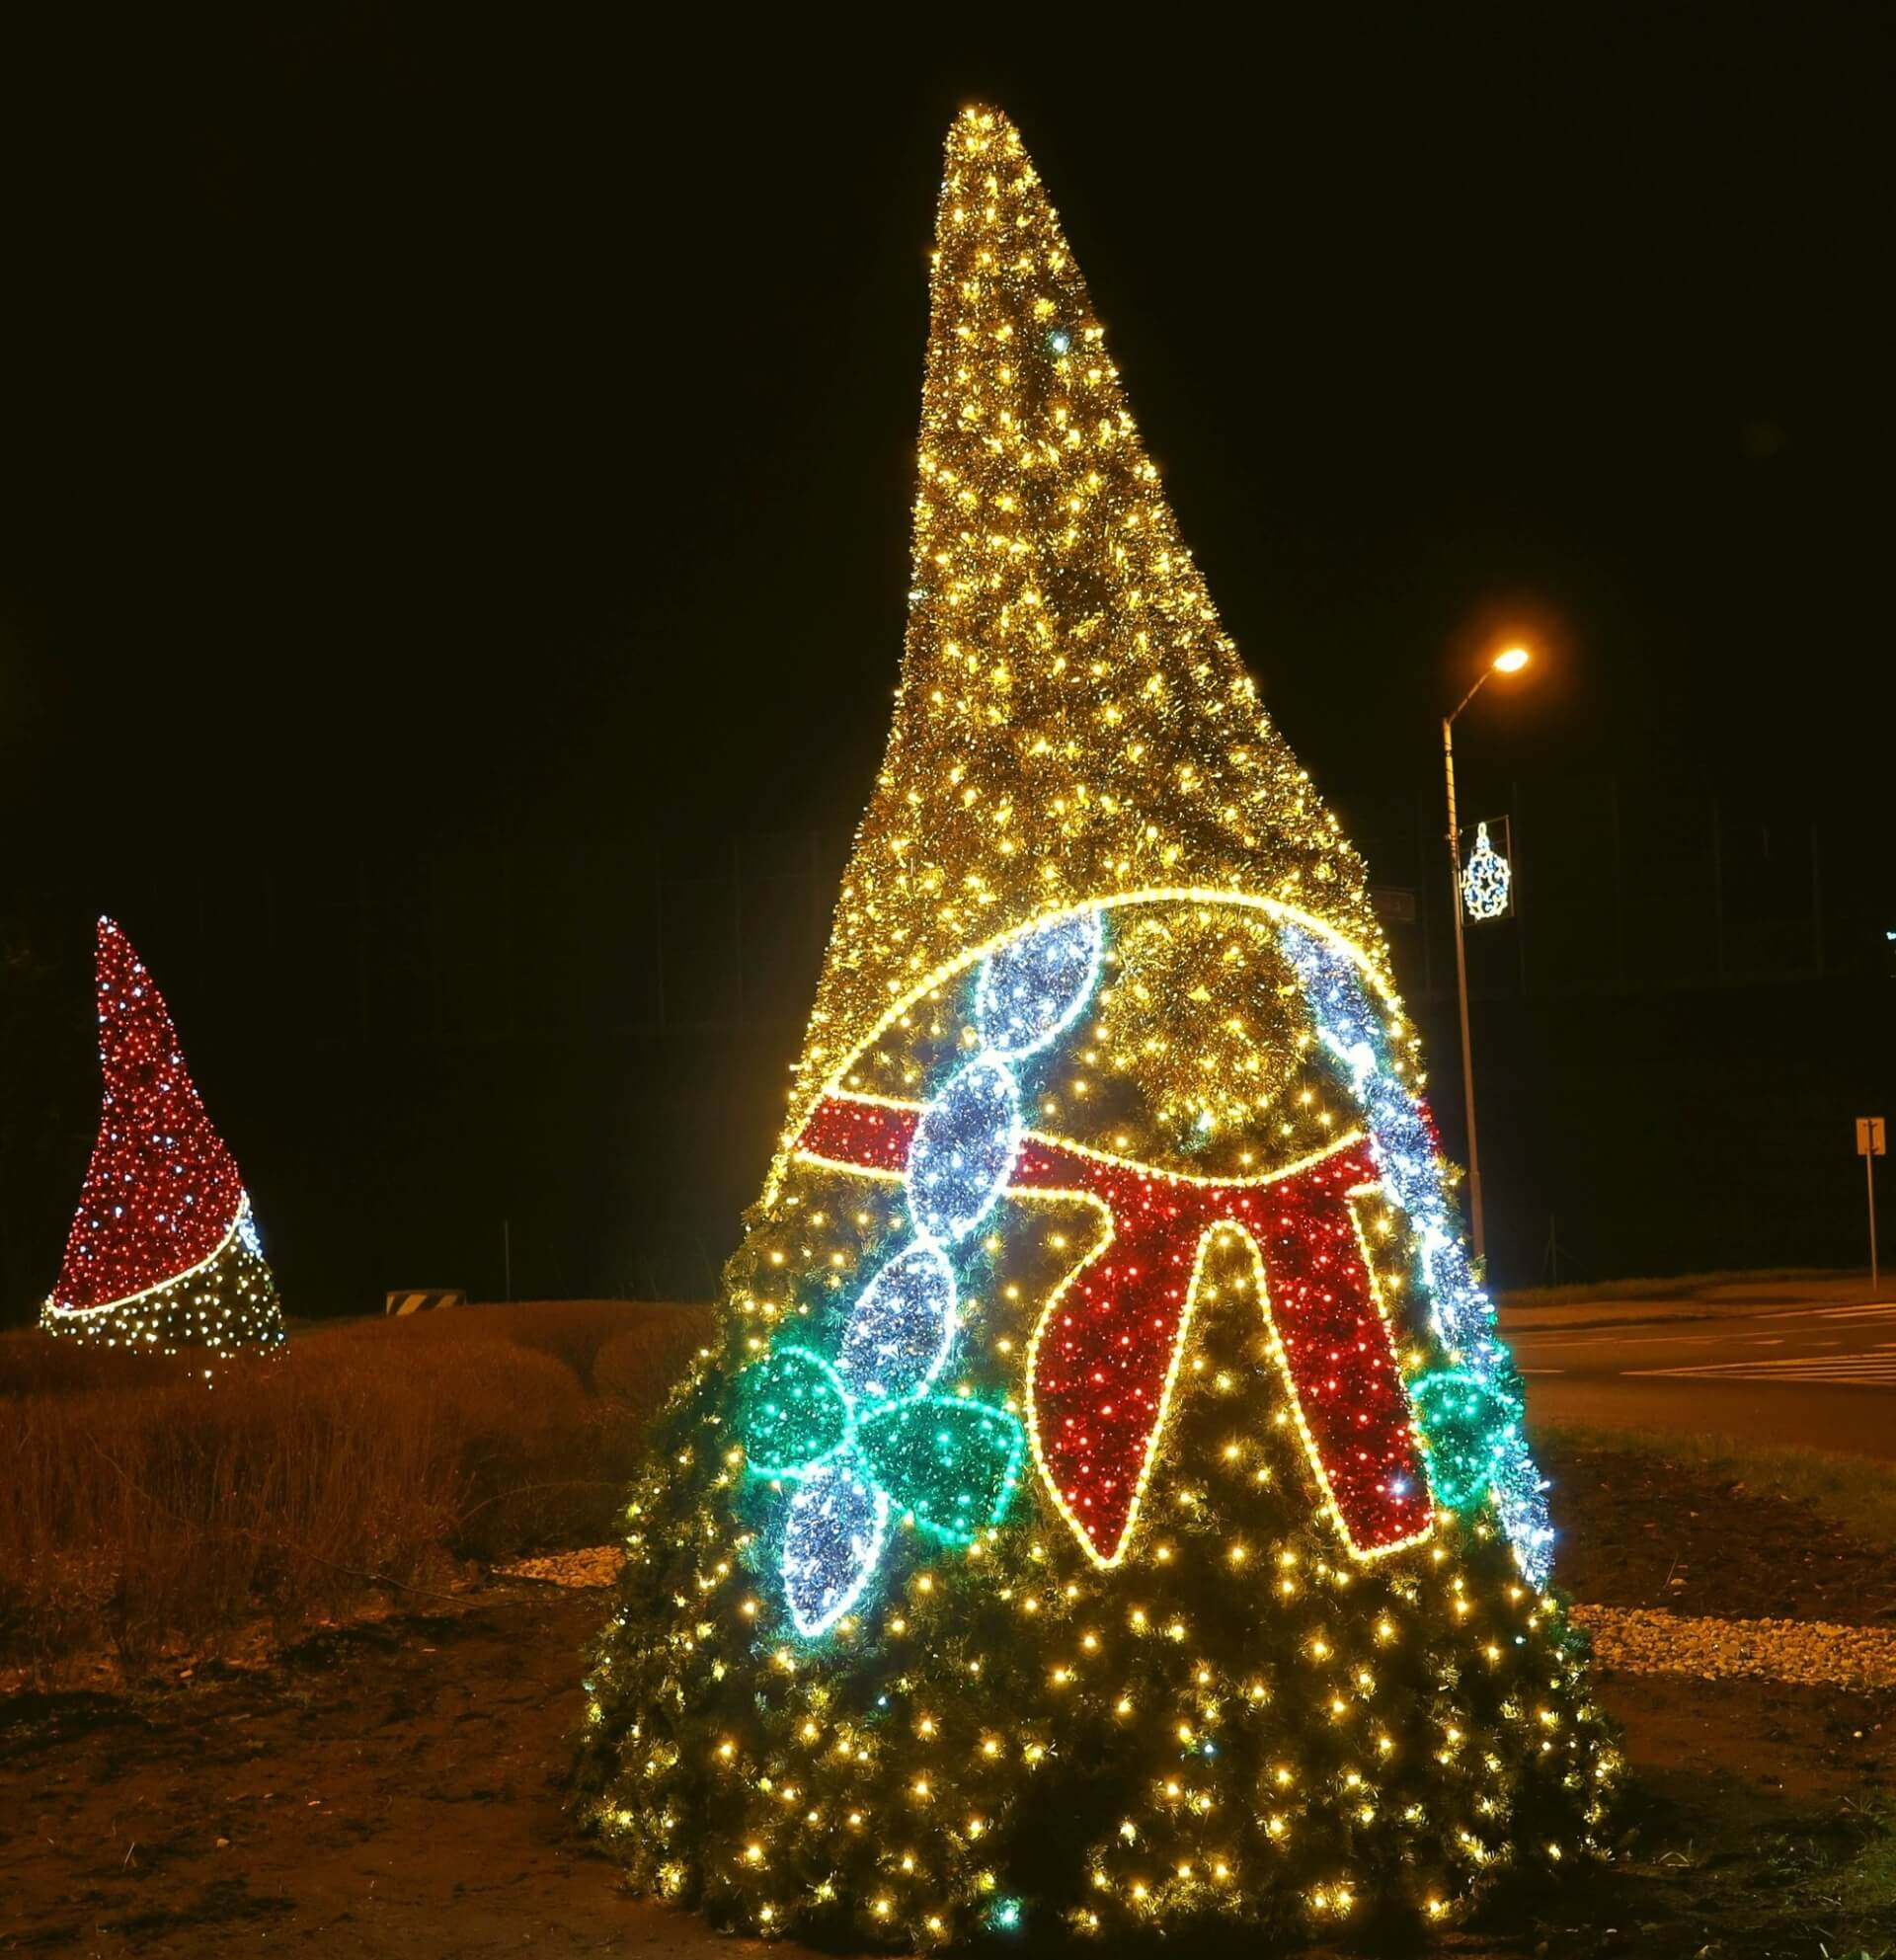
(1511, 660)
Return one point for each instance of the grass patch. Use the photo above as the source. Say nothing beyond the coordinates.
(1856, 1492)
(146, 1513)
(1867, 1885)
(1853, 1895)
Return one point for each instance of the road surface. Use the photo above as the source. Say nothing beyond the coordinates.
(1821, 1374)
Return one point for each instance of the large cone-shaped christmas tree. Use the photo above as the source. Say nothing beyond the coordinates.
(1108, 1506)
(163, 1253)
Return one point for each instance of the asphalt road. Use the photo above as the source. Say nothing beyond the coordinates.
(1822, 1374)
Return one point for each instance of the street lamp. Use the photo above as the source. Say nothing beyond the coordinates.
(1510, 660)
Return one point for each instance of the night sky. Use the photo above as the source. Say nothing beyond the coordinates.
(415, 432)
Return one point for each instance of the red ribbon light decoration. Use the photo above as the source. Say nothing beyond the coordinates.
(1104, 1357)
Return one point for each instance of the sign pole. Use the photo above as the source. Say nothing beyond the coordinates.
(1869, 1178)
(1477, 1227)
(1871, 1143)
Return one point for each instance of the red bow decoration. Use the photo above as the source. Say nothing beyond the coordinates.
(1113, 1336)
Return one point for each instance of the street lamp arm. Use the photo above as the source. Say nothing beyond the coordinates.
(1480, 682)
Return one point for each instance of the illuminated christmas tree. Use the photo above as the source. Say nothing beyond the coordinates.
(1108, 1507)
(163, 1252)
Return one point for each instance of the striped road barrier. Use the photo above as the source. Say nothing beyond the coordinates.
(424, 1302)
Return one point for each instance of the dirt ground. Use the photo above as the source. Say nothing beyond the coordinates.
(395, 1789)
(1639, 1531)
(391, 1790)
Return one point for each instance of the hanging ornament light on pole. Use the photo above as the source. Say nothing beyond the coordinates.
(1510, 660)
(1487, 880)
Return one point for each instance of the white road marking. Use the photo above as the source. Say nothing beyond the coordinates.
(1615, 1340)
(1813, 1312)
(1845, 1359)
(1873, 1369)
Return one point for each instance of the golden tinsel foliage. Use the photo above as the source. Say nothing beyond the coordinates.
(1072, 721)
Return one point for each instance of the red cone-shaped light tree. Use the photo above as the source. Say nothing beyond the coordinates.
(163, 1252)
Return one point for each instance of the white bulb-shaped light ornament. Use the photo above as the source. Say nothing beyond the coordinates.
(1488, 878)
(847, 1431)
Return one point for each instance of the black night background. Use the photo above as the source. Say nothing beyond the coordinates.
(456, 535)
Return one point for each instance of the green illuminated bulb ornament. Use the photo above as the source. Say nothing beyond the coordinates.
(797, 1413)
(1466, 1424)
(948, 1463)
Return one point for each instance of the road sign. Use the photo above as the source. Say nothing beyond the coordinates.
(1871, 1140)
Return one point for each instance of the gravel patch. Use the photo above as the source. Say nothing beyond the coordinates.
(593, 1565)
(1810, 1652)
(1628, 1639)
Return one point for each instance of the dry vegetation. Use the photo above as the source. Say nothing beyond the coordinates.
(144, 1512)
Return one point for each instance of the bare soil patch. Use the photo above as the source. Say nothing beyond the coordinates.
(1643, 1529)
(389, 1790)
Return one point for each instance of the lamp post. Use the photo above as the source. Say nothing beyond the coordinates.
(1512, 661)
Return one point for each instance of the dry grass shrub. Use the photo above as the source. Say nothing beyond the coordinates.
(144, 1510)
(573, 1331)
(638, 1365)
(33, 1364)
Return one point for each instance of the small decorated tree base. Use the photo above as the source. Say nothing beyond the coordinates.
(224, 1306)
